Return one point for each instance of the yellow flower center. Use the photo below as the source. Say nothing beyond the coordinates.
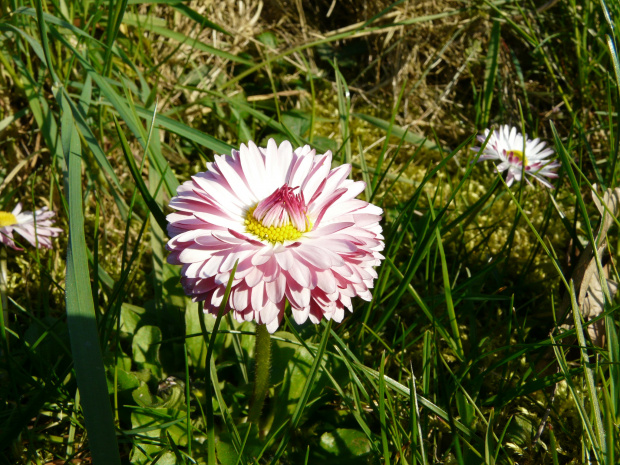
(7, 219)
(519, 154)
(273, 234)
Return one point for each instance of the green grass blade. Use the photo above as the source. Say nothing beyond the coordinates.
(590, 386)
(203, 21)
(490, 74)
(344, 109)
(209, 355)
(81, 319)
(55, 21)
(157, 213)
(397, 131)
(382, 418)
(150, 23)
(45, 44)
(184, 130)
(115, 20)
(577, 399)
(448, 295)
(303, 399)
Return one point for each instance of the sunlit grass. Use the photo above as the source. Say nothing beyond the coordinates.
(106, 107)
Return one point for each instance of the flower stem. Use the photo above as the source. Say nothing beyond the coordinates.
(262, 355)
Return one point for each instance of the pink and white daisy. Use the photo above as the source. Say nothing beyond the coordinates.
(293, 223)
(518, 155)
(35, 227)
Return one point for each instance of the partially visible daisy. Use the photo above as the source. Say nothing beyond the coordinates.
(291, 221)
(530, 158)
(35, 227)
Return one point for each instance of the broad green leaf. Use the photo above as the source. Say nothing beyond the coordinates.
(346, 444)
(196, 346)
(131, 316)
(145, 346)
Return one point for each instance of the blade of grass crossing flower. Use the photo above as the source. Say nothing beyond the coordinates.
(210, 345)
(303, 399)
(81, 319)
(490, 73)
(590, 386)
(154, 208)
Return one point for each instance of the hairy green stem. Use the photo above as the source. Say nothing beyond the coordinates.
(262, 354)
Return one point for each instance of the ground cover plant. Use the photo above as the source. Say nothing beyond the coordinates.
(491, 334)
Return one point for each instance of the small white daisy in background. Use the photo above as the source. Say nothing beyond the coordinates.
(293, 223)
(35, 227)
(531, 157)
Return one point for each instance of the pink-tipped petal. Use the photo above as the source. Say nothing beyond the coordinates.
(291, 222)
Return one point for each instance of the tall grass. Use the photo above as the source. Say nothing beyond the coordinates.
(106, 107)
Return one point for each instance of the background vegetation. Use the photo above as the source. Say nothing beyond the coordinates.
(455, 360)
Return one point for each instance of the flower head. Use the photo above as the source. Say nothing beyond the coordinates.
(518, 155)
(291, 221)
(35, 227)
